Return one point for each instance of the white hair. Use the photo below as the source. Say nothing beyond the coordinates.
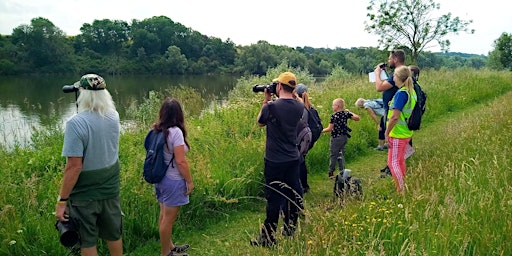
(99, 101)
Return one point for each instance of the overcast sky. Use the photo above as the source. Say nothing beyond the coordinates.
(319, 23)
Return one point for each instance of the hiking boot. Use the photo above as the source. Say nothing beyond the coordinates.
(180, 248)
(263, 240)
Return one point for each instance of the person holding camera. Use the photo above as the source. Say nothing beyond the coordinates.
(89, 194)
(281, 160)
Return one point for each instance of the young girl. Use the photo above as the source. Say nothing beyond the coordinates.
(340, 133)
(174, 189)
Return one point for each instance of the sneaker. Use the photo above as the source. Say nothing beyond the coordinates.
(379, 148)
(385, 146)
(331, 174)
(180, 248)
(263, 241)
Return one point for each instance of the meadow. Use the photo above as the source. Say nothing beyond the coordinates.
(458, 197)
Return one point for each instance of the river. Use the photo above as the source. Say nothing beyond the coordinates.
(28, 103)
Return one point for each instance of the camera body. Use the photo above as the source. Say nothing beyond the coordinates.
(68, 231)
(271, 88)
(69, 88)
(383, 65)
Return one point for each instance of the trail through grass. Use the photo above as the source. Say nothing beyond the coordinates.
(458, 200)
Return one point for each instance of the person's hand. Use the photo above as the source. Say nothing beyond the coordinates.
(268, 95)
(379, 128)
(60, 212)
(190, 188)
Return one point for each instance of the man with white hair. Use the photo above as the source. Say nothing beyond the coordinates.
(89, 194)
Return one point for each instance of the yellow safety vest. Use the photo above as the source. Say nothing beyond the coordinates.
(400, 130)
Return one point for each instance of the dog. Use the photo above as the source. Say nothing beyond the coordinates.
(346, 186)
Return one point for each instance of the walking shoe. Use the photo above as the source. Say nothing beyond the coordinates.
(263, 241)
(379, 148)
(331, 174)
(180, 248)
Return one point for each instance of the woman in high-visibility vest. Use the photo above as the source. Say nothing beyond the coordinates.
(397, 133)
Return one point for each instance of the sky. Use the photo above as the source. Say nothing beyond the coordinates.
(298, 23)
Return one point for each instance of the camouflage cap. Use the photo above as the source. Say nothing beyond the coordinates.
(91, 82)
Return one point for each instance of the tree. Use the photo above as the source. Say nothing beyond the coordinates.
(501, 56)
(42, 47)
(411, 23)
(104, 36)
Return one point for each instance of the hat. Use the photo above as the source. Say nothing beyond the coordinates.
(301, 88)
(287, 78)
(91, 82)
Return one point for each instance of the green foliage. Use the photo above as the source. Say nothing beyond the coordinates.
(412, 24)
(501, 57)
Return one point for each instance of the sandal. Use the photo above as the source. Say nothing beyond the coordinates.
(180, 248)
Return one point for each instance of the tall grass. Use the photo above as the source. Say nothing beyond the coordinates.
(458, 197)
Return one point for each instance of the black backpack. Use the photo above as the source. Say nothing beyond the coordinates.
(414, 121)
(154, 164)
(315, 124)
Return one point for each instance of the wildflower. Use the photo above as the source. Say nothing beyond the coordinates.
(400, 206)
(12, 242)
(19, 231)
(310, 242)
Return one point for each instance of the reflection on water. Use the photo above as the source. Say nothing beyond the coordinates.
(31, 103)
(16, 127)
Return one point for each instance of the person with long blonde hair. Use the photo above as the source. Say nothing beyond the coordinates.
(397, 132)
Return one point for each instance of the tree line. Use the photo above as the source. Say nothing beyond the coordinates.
(159, 45)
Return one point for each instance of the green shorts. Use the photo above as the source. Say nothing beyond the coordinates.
(97, 219)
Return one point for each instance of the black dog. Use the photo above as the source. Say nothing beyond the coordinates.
(347, 186)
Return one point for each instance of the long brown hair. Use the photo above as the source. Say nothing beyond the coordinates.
(171, 115)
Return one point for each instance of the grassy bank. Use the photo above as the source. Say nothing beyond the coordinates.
(458, 197)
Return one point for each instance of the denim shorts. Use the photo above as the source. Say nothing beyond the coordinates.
(97, 219)
(171, 192)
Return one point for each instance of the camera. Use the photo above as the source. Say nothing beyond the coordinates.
(69, 88)
(383, 65)
(68, 230)
(271, 88)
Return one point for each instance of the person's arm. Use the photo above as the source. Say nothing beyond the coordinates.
(69, 179)
(373, 115)
(328, 128)
(183, 168)
(354, 116)
(381, 85)
(268, 97)
(392, 122)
